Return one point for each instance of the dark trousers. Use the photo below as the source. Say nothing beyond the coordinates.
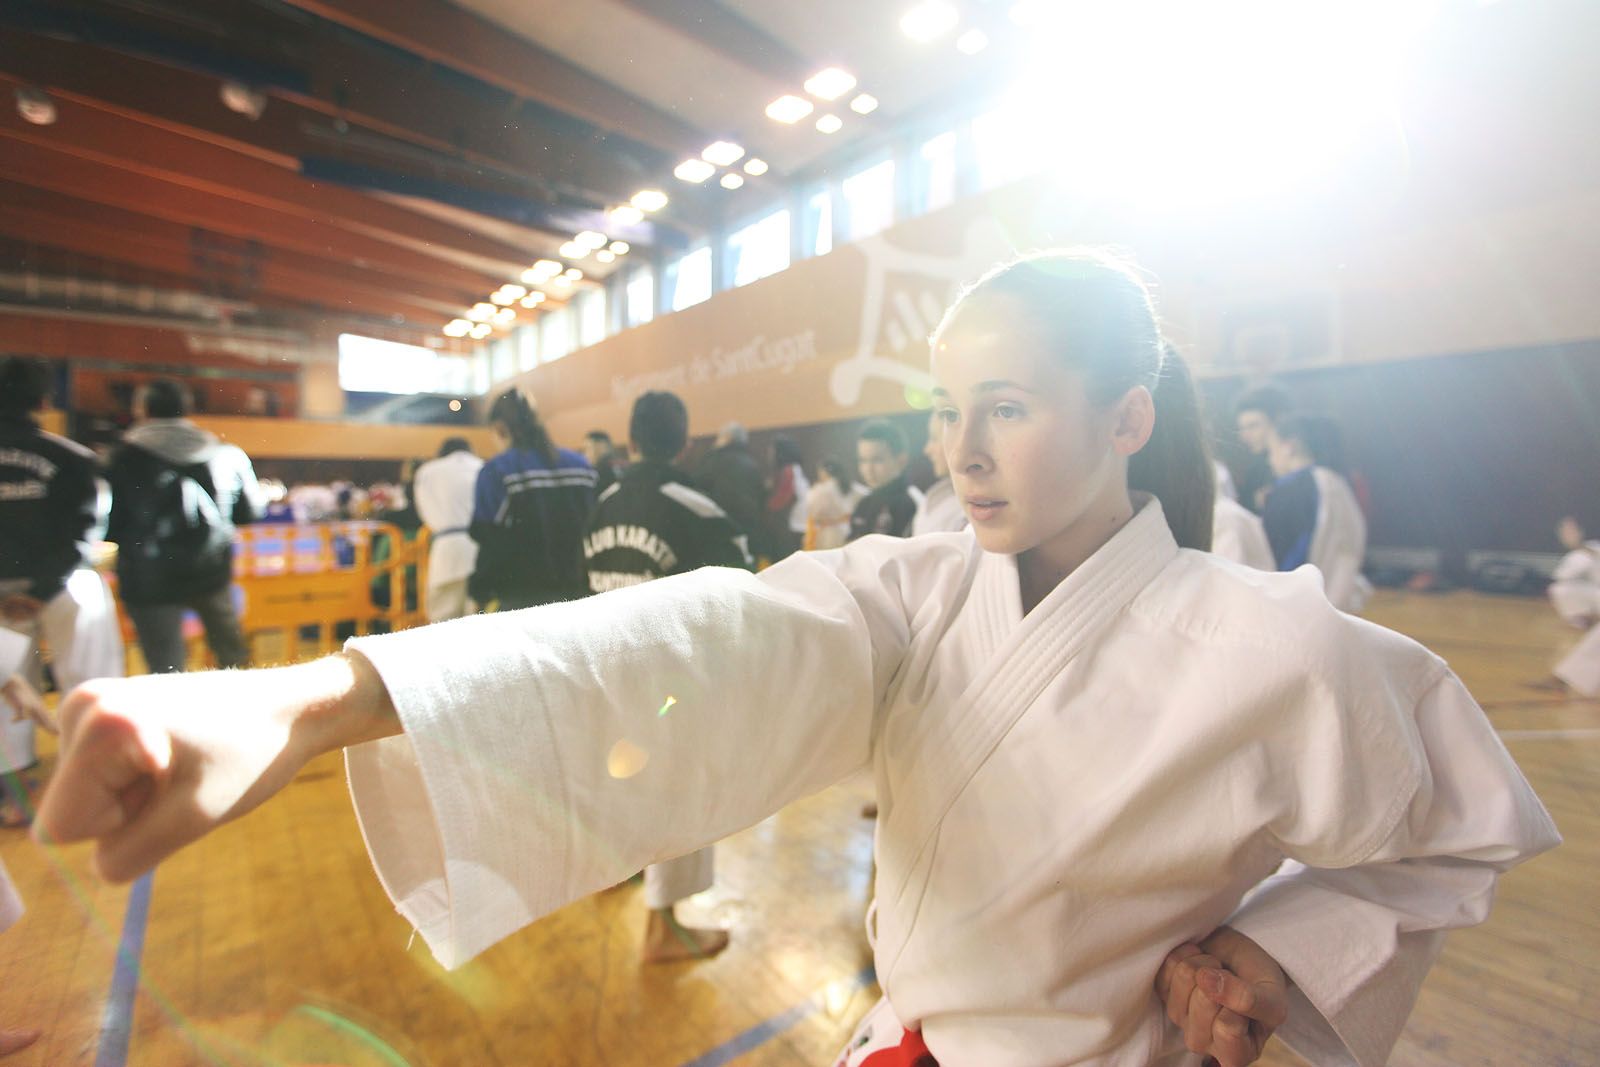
(160, 629)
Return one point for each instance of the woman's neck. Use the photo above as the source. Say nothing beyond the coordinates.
(1042, 568)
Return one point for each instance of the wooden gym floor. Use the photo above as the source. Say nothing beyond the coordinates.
(272, 943)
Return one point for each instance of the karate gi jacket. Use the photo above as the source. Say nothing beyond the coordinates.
(1064, 796)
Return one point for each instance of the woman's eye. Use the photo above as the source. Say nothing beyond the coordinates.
(1007, 411)
(945, 415)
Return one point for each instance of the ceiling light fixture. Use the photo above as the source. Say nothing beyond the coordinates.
(865, 104)
(755, 167)
(505, 316)
(513, 290)
(732, 180)
(929, 20)
(649, 200)
(480, 331)
(243, 100)
(605, 255)
(789, 109)
(830, 124)
(457, 328)
(500, 297)
(572, 250)
(573, 274)
(693, 171)
(722, 153)
(561, 281)
(625, 215)
(533, 299)
(972, 42)
(591, 239)
(830, 83)
(619, 247)
(480, 311)
(36, 106)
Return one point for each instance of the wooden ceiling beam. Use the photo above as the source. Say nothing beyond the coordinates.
(145, 230)
(732, 37)
(104, 183)
(97, 133)
(471, 44)
(266, 283)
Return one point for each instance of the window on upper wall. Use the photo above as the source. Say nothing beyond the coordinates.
(1006, 146)
(370, 365)
(867, 198)
(591, 304)
(816, 223)
(934, 174)
(527, 346)
(759, 249)
(689, 279)
(556, 333)
(641, 297)
(502, 359)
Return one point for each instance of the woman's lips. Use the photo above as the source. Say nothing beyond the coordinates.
(983, 508)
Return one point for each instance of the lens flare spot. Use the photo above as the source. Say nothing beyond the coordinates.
(671, 700)
(626, 759)
(918, 398)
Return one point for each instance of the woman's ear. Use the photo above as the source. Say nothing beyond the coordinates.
(1135, 421)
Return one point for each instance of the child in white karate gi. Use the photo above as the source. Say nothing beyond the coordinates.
(1091, 739)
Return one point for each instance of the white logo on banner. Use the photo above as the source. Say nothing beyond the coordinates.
(904, 298)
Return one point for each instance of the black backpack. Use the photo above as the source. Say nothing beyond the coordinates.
(187, 524)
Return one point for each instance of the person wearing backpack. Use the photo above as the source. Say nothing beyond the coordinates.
(177, 492)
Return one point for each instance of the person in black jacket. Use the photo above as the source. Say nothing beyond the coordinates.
(177, 493)
(892, 505)
(650, 524)
(730, 475)
(52, 508)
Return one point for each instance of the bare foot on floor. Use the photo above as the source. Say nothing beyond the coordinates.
(17, 1040)
(666, 940)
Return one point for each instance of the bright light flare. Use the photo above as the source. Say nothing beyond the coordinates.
(830, 83)
(693, 171)
(1234, 99)
(929, 20)
(788, 109)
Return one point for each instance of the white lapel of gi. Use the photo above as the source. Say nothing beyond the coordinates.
(1022, 655)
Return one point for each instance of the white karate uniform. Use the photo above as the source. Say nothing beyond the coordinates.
(940, 511)
(1237, 534)
(1339, 542)
(1575, 586)
(1580, 668)
(829, 511)
(1064, 796)
(443, 489)
(13, 650)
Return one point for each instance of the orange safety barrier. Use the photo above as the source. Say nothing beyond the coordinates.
(358, 575)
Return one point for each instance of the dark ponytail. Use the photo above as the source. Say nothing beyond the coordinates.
(512, 410)
(1175, 465)
(1096, 314)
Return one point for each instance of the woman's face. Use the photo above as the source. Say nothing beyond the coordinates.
(1033, 461)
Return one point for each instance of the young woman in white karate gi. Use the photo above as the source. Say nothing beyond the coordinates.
(1090, 740)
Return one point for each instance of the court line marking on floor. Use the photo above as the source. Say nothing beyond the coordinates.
(116, 1023)
(763, 1032)
(1579, 734)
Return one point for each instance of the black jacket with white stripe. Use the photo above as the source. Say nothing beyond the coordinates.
(652, 523)
(528, 519)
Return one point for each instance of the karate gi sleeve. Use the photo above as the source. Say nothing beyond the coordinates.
(1358, 941)
(552, 752)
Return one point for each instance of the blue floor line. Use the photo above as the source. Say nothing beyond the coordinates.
(116, 1025)
(761, 1033)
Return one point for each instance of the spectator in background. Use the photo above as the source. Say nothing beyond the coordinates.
(1575, 586)
(19, 700)
(529, 509)
(177, 493)
(604, 457)
(940, 510)
(652, 524)
(829, 504)
(52, 509)
(1256, 416)
(892, 503)
(1312, 516)
(730, 475)
(444, 489)
(786, 503)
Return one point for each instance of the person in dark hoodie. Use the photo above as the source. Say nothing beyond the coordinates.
(177, 492)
